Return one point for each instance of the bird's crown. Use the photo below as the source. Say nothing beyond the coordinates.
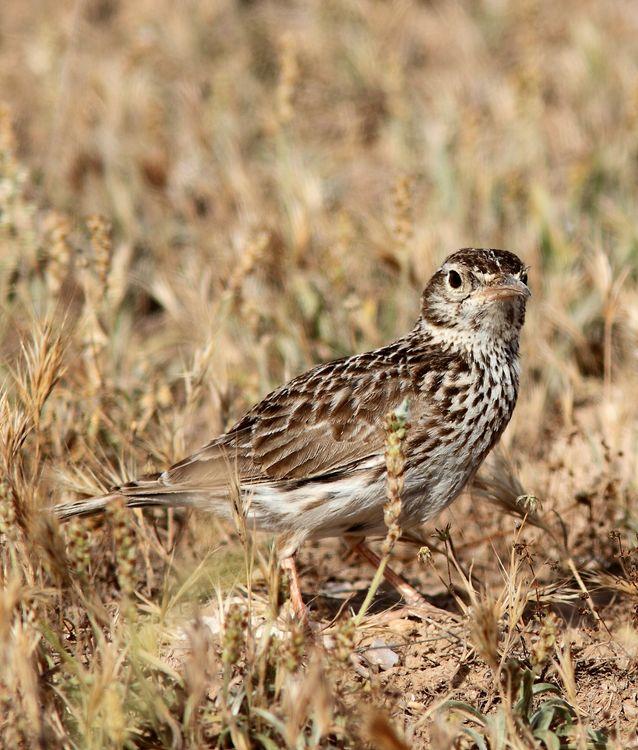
(487, 260)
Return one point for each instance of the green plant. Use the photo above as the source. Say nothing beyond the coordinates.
(536, 713)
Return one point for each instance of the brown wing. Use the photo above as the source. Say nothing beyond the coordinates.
(319, 421)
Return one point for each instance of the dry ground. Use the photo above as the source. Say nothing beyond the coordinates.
(200, 199)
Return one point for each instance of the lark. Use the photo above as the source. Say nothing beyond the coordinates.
(308, 460)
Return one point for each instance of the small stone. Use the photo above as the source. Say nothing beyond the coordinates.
(380, 655)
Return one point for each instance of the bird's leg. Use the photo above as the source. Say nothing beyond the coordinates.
(298, 606)
(410, 595)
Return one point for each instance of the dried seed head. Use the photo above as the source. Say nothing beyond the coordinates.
(100, 233)
(485, 630)
(78, 547)
(7, 134)
(58, 228)
(235, 625)
(344, 640)
(396, 428)
(293, 650)
(125, 545)
(528, 503)
(7, 515)
(402, 204)
(544, 647)
(288, 77)
(249, 258)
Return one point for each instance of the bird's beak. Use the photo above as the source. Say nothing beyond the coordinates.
(506, 287)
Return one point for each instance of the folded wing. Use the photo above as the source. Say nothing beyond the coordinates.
(315, 424)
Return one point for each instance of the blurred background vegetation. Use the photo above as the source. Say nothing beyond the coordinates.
(201, 199)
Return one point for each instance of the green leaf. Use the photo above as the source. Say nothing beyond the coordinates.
(598, 738)
(544, 687)
(561, 704)
(524, 703)
(549, 739)
(478, 740)
(267, 742)
(272, 720)
(542, 719)
(498, 730)
(465, 708)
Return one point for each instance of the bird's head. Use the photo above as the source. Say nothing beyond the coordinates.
(477, 292)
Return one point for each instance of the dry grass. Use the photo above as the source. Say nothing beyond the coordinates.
(198, 200)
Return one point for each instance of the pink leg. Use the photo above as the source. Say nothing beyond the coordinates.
(410, 595)
(298, 606)
(408, 592)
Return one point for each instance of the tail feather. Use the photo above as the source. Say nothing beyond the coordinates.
(84, 507)
(136, 497)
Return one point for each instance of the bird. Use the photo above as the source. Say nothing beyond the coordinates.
(307, 461)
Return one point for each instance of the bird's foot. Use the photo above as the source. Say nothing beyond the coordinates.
(413, 598)
(299, 608)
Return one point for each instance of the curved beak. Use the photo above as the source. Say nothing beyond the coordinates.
(506, 287)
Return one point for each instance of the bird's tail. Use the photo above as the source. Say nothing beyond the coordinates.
(142, 494)
(84, 507)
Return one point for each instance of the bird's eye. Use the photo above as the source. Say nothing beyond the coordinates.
(454, 279)
(523, 277)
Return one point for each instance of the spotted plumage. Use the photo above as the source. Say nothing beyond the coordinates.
(308, 460)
